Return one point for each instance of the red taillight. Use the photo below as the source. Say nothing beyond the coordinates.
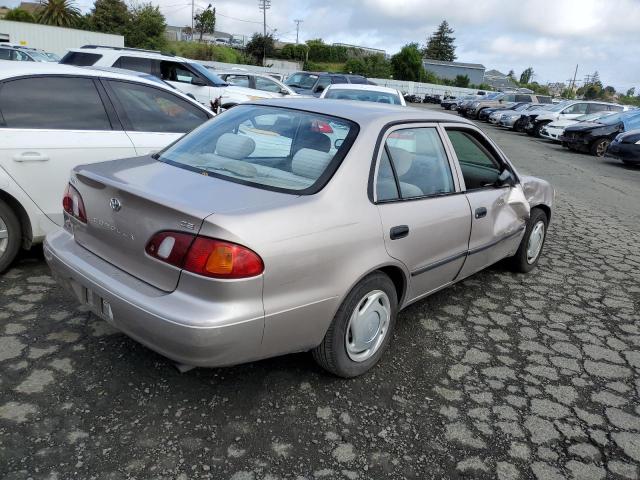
(321, 127)
(72, 204)
(205, 256)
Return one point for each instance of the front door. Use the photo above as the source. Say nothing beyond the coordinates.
(499, 213)
(426, 220)
(53, 124)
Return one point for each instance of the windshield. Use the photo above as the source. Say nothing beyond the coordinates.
(266, 147)
(212, 77)
(301, 80)
(558, 106)
(363, 95)
(623, 117)
(590, 117)
(39, 56)
(492, 96)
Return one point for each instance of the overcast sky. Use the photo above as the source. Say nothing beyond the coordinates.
(552, 36)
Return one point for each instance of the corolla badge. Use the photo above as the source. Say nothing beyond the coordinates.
(115, 204)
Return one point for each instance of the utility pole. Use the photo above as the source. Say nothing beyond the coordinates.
(192, 15)
(264, 5)
(298, 22)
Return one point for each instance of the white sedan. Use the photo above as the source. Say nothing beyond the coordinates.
(553, 130)
(364, 93)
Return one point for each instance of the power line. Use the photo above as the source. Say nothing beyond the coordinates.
(237, 19)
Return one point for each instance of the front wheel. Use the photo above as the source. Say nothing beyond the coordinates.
(528, 254)
(361, 329)
(10, 235)
(599, 147)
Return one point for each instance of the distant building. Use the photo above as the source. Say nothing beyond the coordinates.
(184, 34)
(556, 88)
(31, 7)
(499, 80)
(369, 50)
(3, 12)
(450, 70)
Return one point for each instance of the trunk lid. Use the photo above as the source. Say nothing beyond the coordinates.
(128, 201)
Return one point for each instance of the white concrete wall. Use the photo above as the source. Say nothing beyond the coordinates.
(55, 39)
(423, 88)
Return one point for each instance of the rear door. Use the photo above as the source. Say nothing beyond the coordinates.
(51, 124)
(426, 220)
(152, 117)
(575, 110)
(499, 213)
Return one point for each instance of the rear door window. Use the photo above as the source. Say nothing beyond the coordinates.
(338, 79)
(5, 54)
(150, 109)
(597, 107)
(176, 72)
(419, 164)
(61, 103)
(576, 109)
(523, 98)
(267, 85)
(238, 80)
(138, 64)
(81, 59)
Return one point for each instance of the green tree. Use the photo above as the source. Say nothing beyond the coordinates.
(375, 66)
(511, 74)
(260, 46)
(59, 13)
(110, 16)
(20, 15)
(440, 45)
(205, 21)
(526, 76)
(631, 92)
(461, 81)
(407, 64)
(146, 28)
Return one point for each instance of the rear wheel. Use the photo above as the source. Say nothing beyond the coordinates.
(528, 254)
(10, 235)
(599, 147)
(361, 329)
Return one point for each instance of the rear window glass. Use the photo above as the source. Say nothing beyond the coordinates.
(273, 148)
(81, 59)
(363, 95)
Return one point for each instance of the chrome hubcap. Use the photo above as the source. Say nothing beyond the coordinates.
(536, 239)
(4, 237)
(602, 148)
(368, 326)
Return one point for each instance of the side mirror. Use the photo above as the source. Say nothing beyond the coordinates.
(506, 178)
(284, 91)
(198, 82)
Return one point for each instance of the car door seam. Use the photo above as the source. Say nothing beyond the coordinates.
(493, 243)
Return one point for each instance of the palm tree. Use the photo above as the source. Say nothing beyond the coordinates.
(60, 13)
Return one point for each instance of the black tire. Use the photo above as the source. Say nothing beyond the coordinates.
(332, 354)
(519, 262)
(14, 236)
(599, 147)
(538, 128)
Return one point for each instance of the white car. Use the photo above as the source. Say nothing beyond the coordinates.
(364, 93)
(553, 130)
(187, 75)
(58, 116)
(568, 110)
(266, 84)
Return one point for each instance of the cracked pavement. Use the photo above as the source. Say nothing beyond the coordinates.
(500, 376)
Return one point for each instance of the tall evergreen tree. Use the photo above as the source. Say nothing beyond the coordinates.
(110, 16)
(440, 45)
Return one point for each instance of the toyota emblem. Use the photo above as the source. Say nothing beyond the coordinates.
(115, 204)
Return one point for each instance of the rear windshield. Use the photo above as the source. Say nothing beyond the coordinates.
(267, 147)
(82, 59)
(301, 80)
(363, 95)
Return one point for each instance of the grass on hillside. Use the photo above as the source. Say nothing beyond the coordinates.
(205, 51)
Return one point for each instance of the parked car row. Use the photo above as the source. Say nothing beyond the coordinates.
(20, 53)
(598, 128)
(201, 280)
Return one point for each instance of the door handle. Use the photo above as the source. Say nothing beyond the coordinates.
(481, 212)
(399, 231)
(30, 157)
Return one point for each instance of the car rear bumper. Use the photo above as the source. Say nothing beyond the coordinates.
(188, 329)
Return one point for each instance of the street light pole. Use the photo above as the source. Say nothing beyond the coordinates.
(298, 22)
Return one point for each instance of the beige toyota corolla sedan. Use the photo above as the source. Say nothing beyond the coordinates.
(292, 225)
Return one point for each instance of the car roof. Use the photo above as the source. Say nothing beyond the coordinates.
(363, 113)
(129, 52)
(361, 86)
(10, 69)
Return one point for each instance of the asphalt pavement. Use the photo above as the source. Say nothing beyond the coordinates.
(500, 376)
